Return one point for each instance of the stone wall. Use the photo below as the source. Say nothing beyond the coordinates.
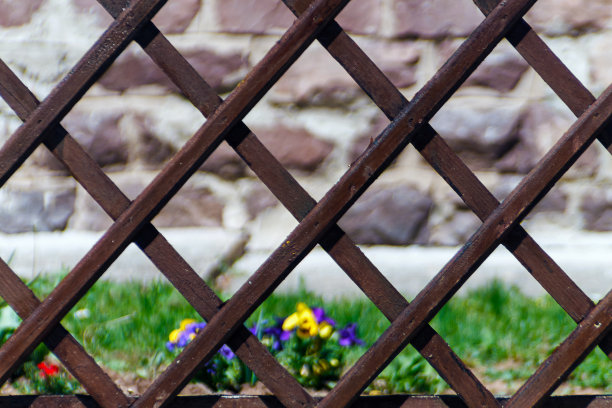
(315, 120)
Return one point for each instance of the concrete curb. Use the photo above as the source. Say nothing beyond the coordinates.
(586, 257)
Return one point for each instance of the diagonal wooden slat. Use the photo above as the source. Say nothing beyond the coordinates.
(439, 155)
(578, 98)
(156, 195)
(64, 96)
(512, 210)
(269, 401)
(54, 107)
(566, 357)
(84, 368)
(297, 200)
(502, 225)
(155, 246)
(350, 186)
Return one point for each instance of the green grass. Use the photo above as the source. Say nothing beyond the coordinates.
(498, 331)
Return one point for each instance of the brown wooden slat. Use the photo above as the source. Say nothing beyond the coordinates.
(52, 110)
(358, 268)
(204, 300)
(341, 196)
(502, 225)
(155, 246)
(541, 58)
(451, 168)
(268, 401)
(429, 301)
(65, 95)
(566, 357)
(297, 200)
(441, 157)
(165, 185)
(578, 98)
(62, 344)
(435, 150)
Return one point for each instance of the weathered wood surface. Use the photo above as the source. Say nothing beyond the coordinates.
(501, 222)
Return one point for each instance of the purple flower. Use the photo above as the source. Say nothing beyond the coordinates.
(348, 336)
(319, 314)
(277, 333)
(227, 352)
(183, 339)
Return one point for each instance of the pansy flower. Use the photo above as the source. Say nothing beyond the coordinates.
(227, 352)
(303, 320)
(276, 334)
(184, 334)
(348, 336)
(308, 322)
(319, 314)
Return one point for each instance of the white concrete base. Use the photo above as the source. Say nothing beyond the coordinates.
(41, 252)
(586, 257)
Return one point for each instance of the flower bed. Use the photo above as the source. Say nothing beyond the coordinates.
(307, 343)
(501, 334)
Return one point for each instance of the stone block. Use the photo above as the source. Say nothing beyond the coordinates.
(479, 134)
(173, 18)
(147, 147)
(569, 17)
(596, 208)
(270, 16)
(259, 200)
(225, 163)
(176, 15)
(35, 209)
(361, 143)
(190, 207)
(16, 13)
(388, 216)
(361, 17)
(455, 230)
(555, 201)
(99, 134)
(397, 59)
(295, 148)
(134, 69)
(316, 79)
(501, 70)
(435, 18)
(539, 128)
(253, 16)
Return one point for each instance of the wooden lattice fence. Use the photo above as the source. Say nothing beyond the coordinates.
(317, 220)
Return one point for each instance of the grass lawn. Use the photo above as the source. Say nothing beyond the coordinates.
(500, 333)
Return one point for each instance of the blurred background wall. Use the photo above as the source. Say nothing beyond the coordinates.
(316, 121)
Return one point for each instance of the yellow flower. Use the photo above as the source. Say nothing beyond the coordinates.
(186, 322)
(174, 335)
(325, 330)
(307, 326)
(304, 320)
(291, 322)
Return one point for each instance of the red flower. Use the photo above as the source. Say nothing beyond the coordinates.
(47, 369)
